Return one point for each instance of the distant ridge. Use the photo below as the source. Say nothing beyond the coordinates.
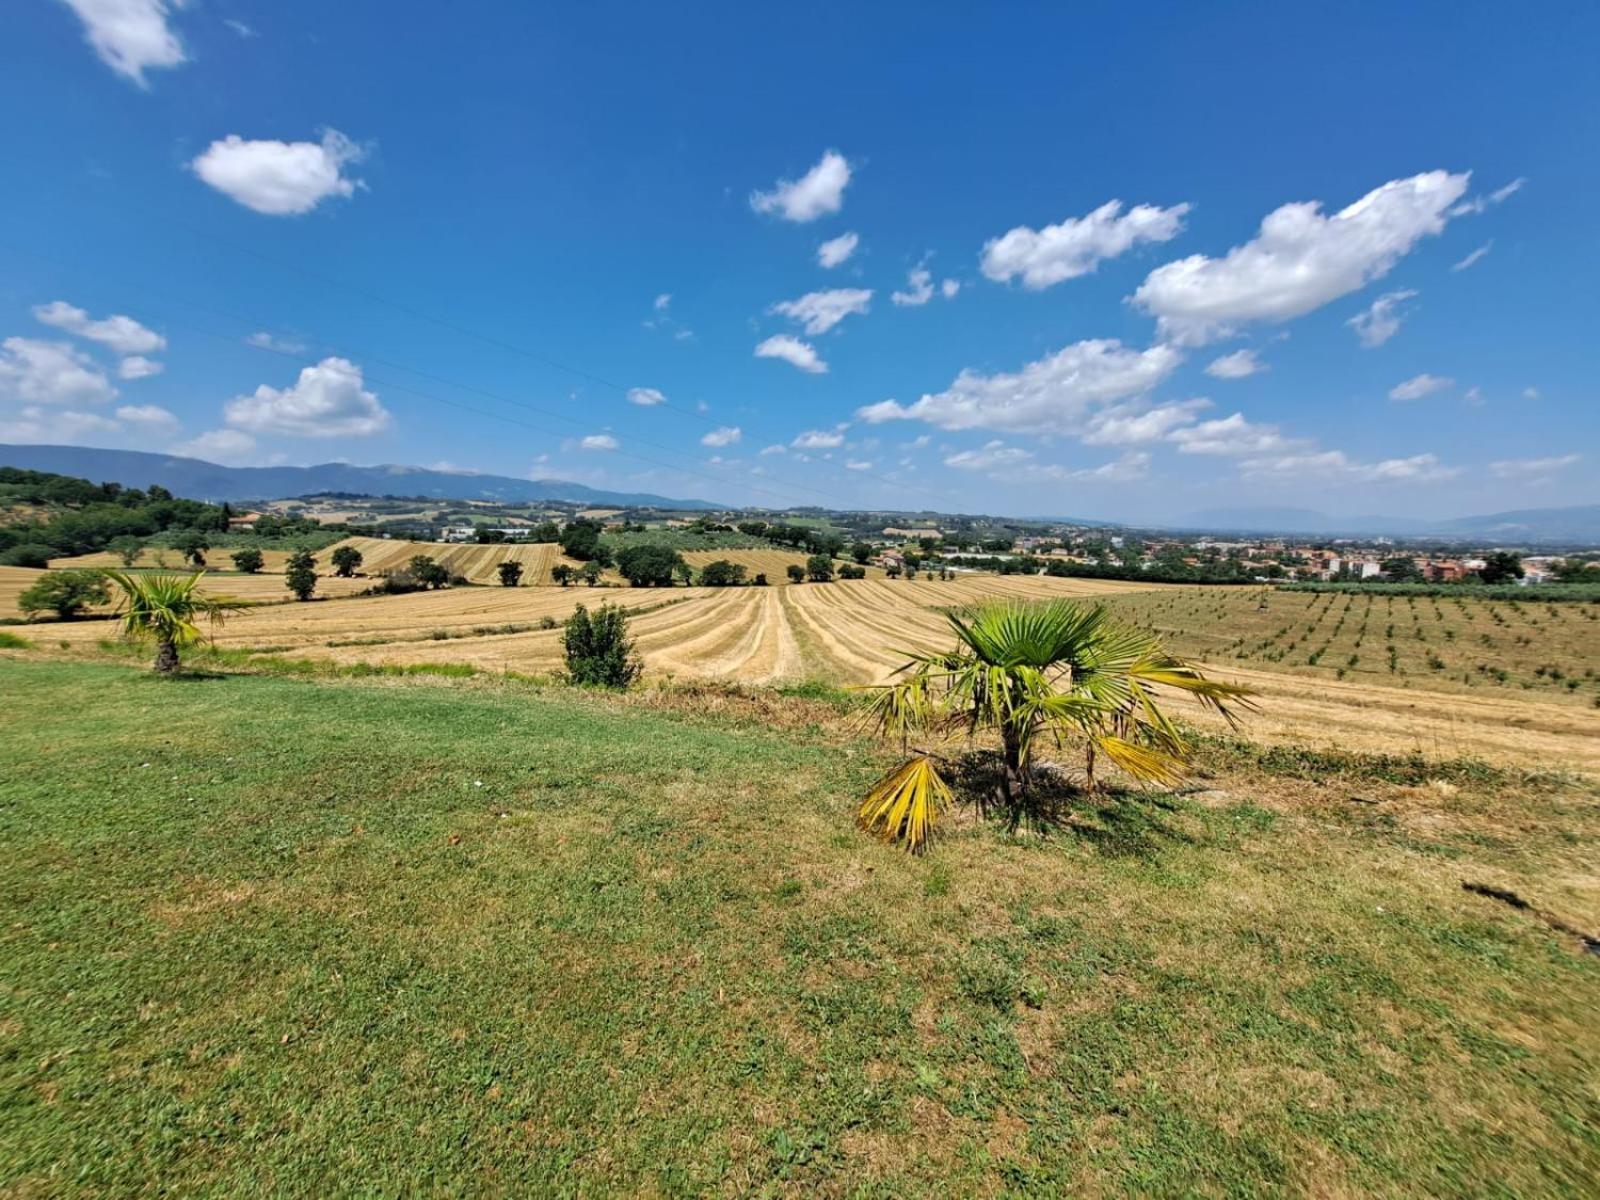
(199, 480)
(1580, 523)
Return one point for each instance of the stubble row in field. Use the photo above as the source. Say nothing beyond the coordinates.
(1455, 644)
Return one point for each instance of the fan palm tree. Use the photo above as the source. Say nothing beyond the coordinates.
(167, 610)
(1057, 671)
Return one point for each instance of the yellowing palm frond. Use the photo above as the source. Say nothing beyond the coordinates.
(906, 803)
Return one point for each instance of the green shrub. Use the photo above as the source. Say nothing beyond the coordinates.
(598, 651)
(66, 593)
(722, 573)
(649, 565)
(29, 554)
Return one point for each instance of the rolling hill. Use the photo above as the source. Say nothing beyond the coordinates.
(200, 480)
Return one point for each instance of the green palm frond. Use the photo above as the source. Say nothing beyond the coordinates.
(167, 608)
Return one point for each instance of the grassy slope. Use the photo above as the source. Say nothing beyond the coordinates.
(271, 934)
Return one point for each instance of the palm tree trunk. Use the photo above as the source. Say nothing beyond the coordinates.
(1011, 777)
(166, 657)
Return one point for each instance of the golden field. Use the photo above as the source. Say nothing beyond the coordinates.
(480, 564)
(856, 632)
(262, 589)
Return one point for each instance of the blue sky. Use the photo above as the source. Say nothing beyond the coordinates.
(1110, 262)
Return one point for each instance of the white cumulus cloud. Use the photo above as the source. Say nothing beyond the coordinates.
(1044, 257)
(1231, 436)
(837, 250)
(646, 397)
(37, 372)
(819, 439)
(280, 179)
(1336, 464)
(989, 456)
(1419, 386)
(1300, 260)
(817, 193)
(227, 446)
(138, 367)
(130, 36)
(722, 435)
(599, 441)
(1381, 319)
(327, 400)
(1241, 364)
(1135, 424)
(148, 416)
(58, 427)
(1052, 395)
(792, 350)
(818, 312)
(122, 334)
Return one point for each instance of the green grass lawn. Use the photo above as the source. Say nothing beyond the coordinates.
(276, 935)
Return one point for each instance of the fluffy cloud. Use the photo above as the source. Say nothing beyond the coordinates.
(1380, 321)
(148, 416)
(854, 464)
(1300, 260)
(1052, 395)
(59, 427)
(792, 350)
(1241, 364)
(227, 446)
(646, 397)
(130, 36)
(1474, 258)
(919, 288)
(1419, 386)
(1136, 424)
(991, 455)
(1419, 468)
(722, 435)
(1532, 468)
(1043, 257)
(819, 439)
(121, 334)
(327, 400)
(837, 250)
(599, 441)
(138, 367)
(1230, 436)
(36, 372)
(818, 312)
(280, 179)
(817, 193)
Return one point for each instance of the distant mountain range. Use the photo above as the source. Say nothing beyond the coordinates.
(1580, 523)
(199, 480)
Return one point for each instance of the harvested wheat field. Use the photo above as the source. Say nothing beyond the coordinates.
(857, 632)
(273, 562)
(774, 564)
(479, 564)
(251, 589)
(13, 582)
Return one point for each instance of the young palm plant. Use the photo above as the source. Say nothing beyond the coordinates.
(1056, 671)
(166, 610)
